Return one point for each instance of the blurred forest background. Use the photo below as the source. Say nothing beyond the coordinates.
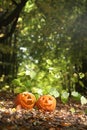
(43, 47)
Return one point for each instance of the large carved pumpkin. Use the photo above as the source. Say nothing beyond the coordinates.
(46, 102)
(26, 100)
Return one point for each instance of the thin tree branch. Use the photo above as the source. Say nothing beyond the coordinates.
(11, 30)
(14, 2)
(14, 14)
(12, 18)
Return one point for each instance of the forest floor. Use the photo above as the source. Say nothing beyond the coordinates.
(70, 116)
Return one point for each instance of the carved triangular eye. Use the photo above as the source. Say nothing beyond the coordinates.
(50, 98)
(43, 98)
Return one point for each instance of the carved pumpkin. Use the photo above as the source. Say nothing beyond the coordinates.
(46, 102)
(26, 100)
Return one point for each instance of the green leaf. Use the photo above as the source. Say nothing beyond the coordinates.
(64, 96)
(54, 92)
(37, 90)
(21, 73)
(81, 83)
(16, 82)
(72, 110)
(83, 100)
(32, 74)
(75, 94)
(27, 72)
(81, 75)
(49, 61)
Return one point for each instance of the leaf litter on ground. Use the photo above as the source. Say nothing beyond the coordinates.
(69, 116)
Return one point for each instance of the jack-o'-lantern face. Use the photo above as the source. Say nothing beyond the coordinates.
(26, 100)
(46, 102)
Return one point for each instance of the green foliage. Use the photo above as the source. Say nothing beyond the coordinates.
(64, 96)
(49, 47)
(39, 82)
(72, 110)
(54, 92)
(83, 100)
(76, 95)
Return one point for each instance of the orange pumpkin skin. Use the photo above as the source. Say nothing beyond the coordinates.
(26, 100)
(46, 102)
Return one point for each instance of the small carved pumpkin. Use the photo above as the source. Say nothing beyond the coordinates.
(46, 102)
(26, 100)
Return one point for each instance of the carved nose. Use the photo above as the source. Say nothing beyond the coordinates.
(46, 101)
